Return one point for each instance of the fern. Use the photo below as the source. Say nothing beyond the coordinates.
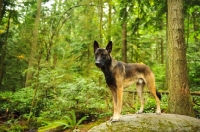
(71, 120)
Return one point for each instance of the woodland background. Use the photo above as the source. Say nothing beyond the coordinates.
(47, 70)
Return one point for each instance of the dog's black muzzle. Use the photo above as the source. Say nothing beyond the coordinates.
(98, 64)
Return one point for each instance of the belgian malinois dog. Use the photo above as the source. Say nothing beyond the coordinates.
(119, 75)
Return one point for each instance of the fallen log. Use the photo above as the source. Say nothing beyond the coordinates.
(195, 93)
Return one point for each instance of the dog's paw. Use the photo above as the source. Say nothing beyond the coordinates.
(139, 112)
(158, 112)
(116, 119)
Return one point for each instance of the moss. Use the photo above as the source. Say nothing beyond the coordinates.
(151, 123)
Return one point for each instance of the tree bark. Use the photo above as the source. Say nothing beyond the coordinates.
(124, 43)
(101, 21)
(109, 19)
(196, 40)
(3, 50)
(1, 6)
(195, 24)
(179, 93)
(32, 61)
(162, 51)
(124, 16)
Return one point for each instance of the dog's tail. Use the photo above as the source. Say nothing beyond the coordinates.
(158, 94)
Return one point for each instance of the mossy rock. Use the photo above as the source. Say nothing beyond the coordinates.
(150, 122)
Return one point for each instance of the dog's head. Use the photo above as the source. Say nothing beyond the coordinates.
(102, 56)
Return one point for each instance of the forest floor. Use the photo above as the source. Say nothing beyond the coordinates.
(87, 126)
(18, 125)
(21, 125)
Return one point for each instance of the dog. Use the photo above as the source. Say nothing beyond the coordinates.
(119, 75)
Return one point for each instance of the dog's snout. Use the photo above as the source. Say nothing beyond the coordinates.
(98, 64)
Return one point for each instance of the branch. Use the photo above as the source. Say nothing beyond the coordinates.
(65, 19)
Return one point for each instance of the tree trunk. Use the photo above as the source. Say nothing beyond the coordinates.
(195, 24)
(32, 61)
(124, 16)
(196, 40)
(101, 21)
(3, 50)
(109, 20)
(1, 8)
(162, 51)
(179, 93)
(124, 43)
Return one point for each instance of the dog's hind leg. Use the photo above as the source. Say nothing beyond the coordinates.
(152, 87)
(139, 86)
(153, 91)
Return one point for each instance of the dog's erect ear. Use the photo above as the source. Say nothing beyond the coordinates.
(96, 45)
(109, 47)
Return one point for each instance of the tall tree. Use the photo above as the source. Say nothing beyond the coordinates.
(109, 19)
(101, 21)
(1, 5)
(4, 36)
(32, 56)
(179, 92)
(124, 42)
(124, 15)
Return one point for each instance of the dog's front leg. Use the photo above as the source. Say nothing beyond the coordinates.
(114, 96)
(117, 103)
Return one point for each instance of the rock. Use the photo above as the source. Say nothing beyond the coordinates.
(150, 122)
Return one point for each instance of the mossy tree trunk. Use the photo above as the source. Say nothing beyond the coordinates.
(101, 21)
(3, 48)
(124, 42)
(124, 15)
(32, 58)
(109, 19)
(179, 93)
